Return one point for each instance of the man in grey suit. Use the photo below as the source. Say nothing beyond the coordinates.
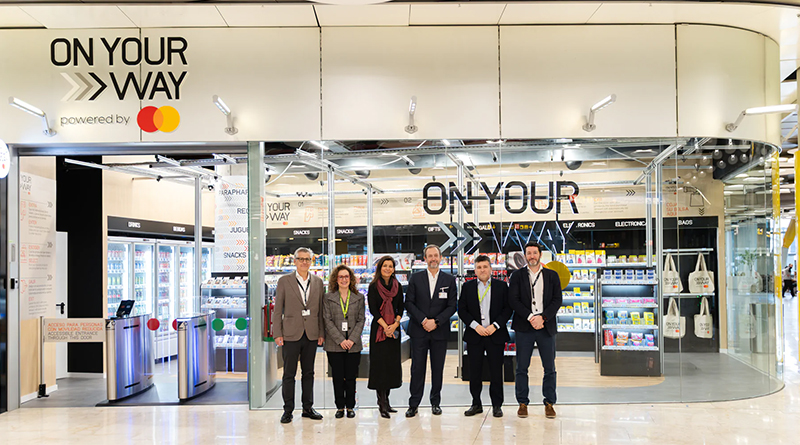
(299, 329)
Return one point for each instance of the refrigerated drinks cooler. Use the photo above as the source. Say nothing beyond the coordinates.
(159, 276)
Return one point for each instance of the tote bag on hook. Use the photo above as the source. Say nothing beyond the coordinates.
(671, 279)
(674, 324)
(701, 281)
(704, 322)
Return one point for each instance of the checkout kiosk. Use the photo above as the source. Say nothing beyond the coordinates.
(130, 360)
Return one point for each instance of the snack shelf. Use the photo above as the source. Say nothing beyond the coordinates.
(630, 305)
(630, 348)
(642, 327)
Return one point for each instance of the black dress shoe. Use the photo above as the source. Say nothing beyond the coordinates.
(497, 411)
(286, 417)
(391, 410)
(411, 412)
(474, 409)
(436, 410)
(350, 413)
(339, 413)
(311, 414)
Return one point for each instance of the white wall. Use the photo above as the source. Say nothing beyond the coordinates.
(356, 83)
(370, 74)
(552, 75)
(721, 71)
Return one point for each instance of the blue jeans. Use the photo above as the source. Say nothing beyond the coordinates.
(547, 352)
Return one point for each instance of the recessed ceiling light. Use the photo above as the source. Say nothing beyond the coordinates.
(649, 150)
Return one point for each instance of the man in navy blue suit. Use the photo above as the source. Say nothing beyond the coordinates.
(430, 301)
(484, 309)
(535, 296)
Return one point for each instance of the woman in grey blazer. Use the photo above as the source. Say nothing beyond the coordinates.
(343, 315)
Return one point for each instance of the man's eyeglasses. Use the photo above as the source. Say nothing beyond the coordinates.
(303, 260)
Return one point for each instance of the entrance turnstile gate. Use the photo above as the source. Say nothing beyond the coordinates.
(129, 356)
(196, 364)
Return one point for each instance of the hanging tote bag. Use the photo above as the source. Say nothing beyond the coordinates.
(701, 281)
(747, 324)
(674, 324)
(704, 322)
(671, 279)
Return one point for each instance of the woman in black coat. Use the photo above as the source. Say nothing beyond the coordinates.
(385, 298)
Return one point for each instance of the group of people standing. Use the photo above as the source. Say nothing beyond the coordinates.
(306, 317)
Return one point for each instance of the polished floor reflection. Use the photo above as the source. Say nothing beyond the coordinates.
(771, 419)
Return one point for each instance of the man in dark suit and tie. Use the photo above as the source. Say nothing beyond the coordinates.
(535, 296)
(299, 329)
(430, 301)
(484, 309)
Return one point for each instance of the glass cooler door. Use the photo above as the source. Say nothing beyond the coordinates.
(143, 278)
(186, 288)
(118, 275)
(165, 308)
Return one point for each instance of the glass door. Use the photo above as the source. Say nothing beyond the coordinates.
(186, 283)
(143, 278)
(118, 275)
(165, 303)
(207, 262)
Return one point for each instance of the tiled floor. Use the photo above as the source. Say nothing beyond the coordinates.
(773, 419)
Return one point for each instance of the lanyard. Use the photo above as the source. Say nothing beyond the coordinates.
(485, 291)
(305, 291)
(533, 289)
(345, 308)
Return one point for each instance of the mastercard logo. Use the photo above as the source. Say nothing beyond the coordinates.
(152, 119)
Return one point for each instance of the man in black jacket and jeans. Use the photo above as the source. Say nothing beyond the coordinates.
(535, 296)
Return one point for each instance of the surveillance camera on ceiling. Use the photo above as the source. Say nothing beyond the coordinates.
(312, 176)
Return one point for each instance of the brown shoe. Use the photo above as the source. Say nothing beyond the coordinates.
(549, 412)
(523, 410)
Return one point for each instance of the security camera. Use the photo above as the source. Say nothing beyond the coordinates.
(210, 187)
(408, 163)
(494, 157)
(158, 179)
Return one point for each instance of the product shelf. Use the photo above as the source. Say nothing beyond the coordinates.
(630, 305)
(633, 327)
(630, 348)
(629, 282)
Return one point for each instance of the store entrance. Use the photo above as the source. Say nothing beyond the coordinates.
(129, 223)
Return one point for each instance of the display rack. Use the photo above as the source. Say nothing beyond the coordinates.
(628, 323)
(227, 298)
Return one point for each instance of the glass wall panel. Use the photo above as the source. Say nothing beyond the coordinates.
(651, 235)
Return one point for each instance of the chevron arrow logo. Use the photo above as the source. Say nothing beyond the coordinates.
(81, 86)
(466, 238)
(630, 192)
(451, 238)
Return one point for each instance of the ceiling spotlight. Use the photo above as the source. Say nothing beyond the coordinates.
(589, 125)
(230, 129)
(30, 109)
(772, 109)
(412, 109)
(494, 157)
